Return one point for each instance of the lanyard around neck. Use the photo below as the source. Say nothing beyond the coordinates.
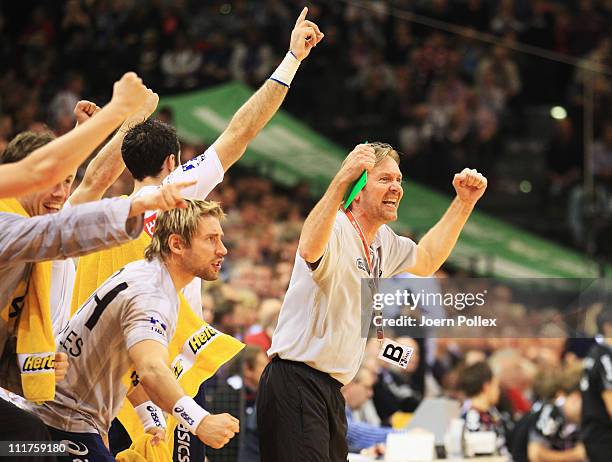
(366, 247)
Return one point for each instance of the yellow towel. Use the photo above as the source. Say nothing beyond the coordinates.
(35, 340)
(143, 451)
(192, 336)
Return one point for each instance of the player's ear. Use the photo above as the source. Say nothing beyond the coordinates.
(176, 244)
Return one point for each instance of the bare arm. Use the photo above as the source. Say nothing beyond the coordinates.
(151, 361)
(248, 122)
(261, 107)
(437, 244)
(537, 452)
(53, 162)
(607, 399)
(319, 224)
(107, 166)
(152, 364)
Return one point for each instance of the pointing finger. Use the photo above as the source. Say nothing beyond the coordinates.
(302, 16)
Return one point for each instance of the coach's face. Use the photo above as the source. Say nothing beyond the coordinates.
(50, 200)
(383, 192)
(205, 256)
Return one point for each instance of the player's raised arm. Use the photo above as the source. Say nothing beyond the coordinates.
(52, 163)
(151, 361)
(261, 107)
(106, 167)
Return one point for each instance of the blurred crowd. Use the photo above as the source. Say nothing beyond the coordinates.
(445, 100)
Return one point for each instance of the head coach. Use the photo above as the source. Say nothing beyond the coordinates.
(318, 346)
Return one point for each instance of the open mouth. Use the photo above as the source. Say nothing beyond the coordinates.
(52, 208)
(390, 203)
(217, 265)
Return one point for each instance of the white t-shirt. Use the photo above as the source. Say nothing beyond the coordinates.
(63, 275)
(207, 170)
(320, 322)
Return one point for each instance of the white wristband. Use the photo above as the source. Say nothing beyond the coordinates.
(189, 413)
(286, 70)
(150, 415)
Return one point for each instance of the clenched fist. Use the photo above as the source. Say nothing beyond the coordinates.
(470, 185)
(61, 366)
(129, 93)
(361, 158)
(84, 110)
(216, 430)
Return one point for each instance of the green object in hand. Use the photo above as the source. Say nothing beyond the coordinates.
(357, 186)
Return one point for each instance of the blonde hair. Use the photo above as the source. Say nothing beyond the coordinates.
(382, 150)
(183, 222)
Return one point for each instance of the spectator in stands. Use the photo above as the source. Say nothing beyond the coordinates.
(563, 159)
(254, 361)
(395, 389)
(180, 65)
(596, 387)
(602, 157)
(482, 390)
(268, 317)
(554, 434)
(361, 435)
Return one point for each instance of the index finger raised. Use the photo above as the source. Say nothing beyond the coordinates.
(302, 16)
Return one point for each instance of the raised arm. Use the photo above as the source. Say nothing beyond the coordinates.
(261, 107)
(319, 224)
(151, 361)
(52, 163)
(437, 244)
(107, 166)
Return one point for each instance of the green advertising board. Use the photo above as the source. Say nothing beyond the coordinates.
(289, 152)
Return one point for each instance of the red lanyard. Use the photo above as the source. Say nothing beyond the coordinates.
(380, 333)
(366, 248)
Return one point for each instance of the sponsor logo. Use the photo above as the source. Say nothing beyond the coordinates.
(178, 369)
(183, 441)
(193, 163)
(201, 338)
(154, 416)
(186, 417)
(38, 363)
(149, 224)
(361, 264)
(396, 353)
(154, 321)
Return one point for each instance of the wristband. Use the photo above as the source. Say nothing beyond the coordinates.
(189, 413)
(150, 415)
(286, 70)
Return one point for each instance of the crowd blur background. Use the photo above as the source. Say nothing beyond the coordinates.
(445, 100)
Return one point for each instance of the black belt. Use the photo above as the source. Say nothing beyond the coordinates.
(323, 375)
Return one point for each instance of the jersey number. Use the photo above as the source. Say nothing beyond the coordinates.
(102, 304)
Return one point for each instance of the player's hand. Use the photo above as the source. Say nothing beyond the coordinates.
(61, 366)
(304, 36)
(159, 435)
(145, 111)
(470, 185)
(216, 430)
(84, 110)
(166, 197)
(580, 451)
(361, 158)
(129, 94)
